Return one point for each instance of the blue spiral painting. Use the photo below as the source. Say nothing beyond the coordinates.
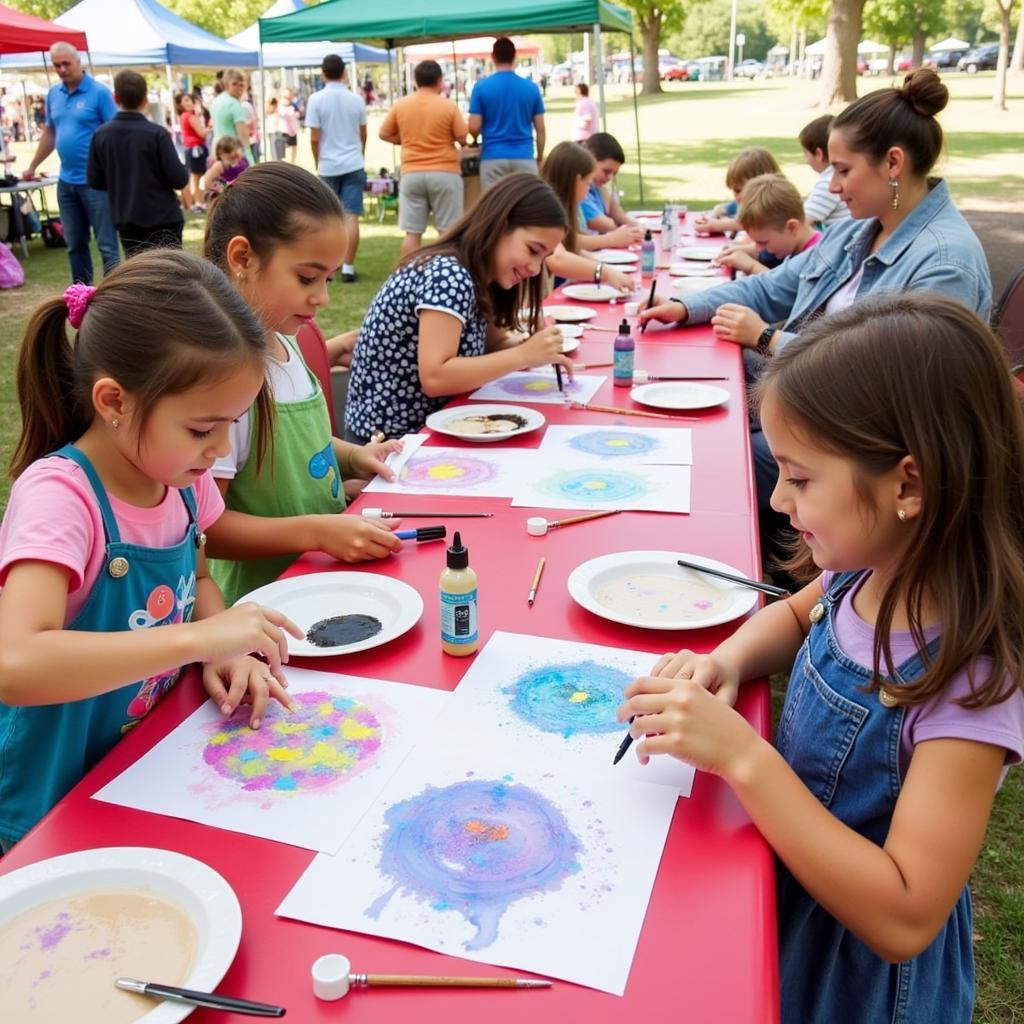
(614, 443)
(577, 697)
(476, 847)
(595, 486)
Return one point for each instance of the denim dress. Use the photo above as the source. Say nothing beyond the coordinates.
(844, 744)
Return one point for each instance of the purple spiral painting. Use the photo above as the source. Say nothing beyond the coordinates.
(444, 471)
(476, 847)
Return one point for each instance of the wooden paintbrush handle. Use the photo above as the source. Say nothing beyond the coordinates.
(418, 981)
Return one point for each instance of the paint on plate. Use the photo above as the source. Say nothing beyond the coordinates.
(476, 847)
(658, 598)
(341, 630)
(324, 740)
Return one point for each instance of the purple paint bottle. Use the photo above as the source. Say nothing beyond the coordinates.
(622, 371)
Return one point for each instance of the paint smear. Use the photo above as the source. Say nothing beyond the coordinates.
(326, 739)
(569, 698)
(526, 385)
(476, 847)
(657, 598)
(614, 443)
(598, 486)
(442, 473)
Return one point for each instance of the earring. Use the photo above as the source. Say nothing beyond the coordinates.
(901, 515)
(895, 186)
(115, 423)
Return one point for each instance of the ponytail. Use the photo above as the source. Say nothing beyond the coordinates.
(52, 411)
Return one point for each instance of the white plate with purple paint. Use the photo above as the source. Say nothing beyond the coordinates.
(650, 590)
(70, 885)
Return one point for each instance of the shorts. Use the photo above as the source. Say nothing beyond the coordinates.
(348, 188)
(493, 170)
(290, 140)
(420, 192)
(195, 159)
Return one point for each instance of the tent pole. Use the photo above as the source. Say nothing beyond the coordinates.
(170, 92)
(92, 71)
(636, 117)
(263, 103)
(455, 73)
(599, 74)
(46, 68)
(27, 111)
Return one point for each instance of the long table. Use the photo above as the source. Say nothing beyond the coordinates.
(707, 951)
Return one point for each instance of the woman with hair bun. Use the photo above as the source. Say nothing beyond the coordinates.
(904, 234)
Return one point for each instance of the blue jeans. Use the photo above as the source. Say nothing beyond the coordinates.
(80, 207)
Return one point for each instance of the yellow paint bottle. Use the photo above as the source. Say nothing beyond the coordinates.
(459, 635)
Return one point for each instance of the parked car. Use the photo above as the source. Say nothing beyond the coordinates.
(982, 58)
(561, 74)
(689, 72)
(748, 68)
(944, 60)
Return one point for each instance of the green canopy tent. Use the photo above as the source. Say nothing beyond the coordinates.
(421, 21)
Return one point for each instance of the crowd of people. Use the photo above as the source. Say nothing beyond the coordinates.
(885, 432)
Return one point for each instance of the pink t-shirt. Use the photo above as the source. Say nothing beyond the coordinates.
(53, 516)
(1002, 725)
(586, 119)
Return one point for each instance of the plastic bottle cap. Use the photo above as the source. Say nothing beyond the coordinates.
(330, 976)
(373, 513)
(458, 556)
(536, 526)
(624, 326)
(631, 308)
(641, 376)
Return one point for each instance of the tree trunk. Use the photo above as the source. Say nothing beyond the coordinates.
(999, 96)
(890, 67)
(839, 68)
(1017, 64)
(650, 32)
(918, 49)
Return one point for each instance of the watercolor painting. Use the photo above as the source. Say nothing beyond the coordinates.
(599, 486)
(541, 387)
(466, 854)
(547, 700)
(456, 471)
(620, 445)
(304, 777)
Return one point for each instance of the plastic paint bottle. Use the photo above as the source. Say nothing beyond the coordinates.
(622, 369)
(459, 635)
(647, 253)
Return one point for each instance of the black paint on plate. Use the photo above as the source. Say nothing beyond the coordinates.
(343, 629)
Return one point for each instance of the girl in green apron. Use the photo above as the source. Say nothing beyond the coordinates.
(278, 234)
(103, 536)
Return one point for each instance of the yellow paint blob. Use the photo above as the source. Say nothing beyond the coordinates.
(283, 754)
(579, 697)
(283, 728)
(617, 442)
(352, 730)
(445, 471)
(324, 754)
(537, 385)
(595, 485)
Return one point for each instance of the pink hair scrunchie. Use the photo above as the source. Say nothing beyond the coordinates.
(76, 298)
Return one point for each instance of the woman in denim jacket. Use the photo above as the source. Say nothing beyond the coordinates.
(904, 233)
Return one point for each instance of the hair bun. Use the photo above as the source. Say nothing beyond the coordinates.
(924, 91)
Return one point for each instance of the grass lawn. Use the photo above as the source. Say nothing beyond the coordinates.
(689, 135)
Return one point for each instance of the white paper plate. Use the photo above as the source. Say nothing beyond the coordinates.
(726, 601)
(652, 224)
(700, 252)
(189, 884)
(679, 394)
(569, 345)
(439, 420)
(591, 292)
(570, 314)
(621, 256)
(694, 269)
(645, 213)
(569, 331)
(308, 599)
(689, 285)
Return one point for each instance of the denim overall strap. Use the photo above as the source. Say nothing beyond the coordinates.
(45, 750)
(843, 740)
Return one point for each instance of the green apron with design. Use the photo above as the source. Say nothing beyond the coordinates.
(299, 477)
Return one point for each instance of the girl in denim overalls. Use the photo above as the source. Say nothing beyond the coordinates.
(900, 446)
(278, 234)
(103, 535)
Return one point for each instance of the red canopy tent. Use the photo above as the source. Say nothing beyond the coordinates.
(23, 32)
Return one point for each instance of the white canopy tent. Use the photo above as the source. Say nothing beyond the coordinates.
(952, 43)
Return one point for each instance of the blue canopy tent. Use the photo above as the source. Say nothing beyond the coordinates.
(303, 55)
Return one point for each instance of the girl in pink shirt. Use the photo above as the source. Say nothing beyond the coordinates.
(104, 531)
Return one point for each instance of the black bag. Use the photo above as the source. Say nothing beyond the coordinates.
(469, 158)
(52, 232)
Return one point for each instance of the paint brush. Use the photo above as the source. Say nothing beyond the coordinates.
(423, 533)
(590, 407)
(596, 327)
(379, 513)
(558, 374)
(426, 981)
(535, 585)
(591, 366)
(190, 997)
(650, 301)
(623, 746)
(584, 518)
(743, 581)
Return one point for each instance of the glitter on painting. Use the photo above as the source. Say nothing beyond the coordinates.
(614, 443)
(325, 739)
(596, 486)
(476, 847)
(578, 697)
(443, 472)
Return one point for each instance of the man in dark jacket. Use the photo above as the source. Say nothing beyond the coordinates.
(135, 162)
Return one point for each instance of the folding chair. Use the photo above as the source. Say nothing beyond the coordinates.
(314, 350)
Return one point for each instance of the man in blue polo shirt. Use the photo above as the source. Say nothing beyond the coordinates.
(74, 110)
(508, 109)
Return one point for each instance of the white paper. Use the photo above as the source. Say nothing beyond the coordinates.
(473, 854)
(558, 483)
(283, 782)
(540, 387)
(554, 702)
(619, 445)
(410, 443)
(467, 472)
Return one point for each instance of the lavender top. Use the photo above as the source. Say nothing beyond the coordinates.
(939, 718)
